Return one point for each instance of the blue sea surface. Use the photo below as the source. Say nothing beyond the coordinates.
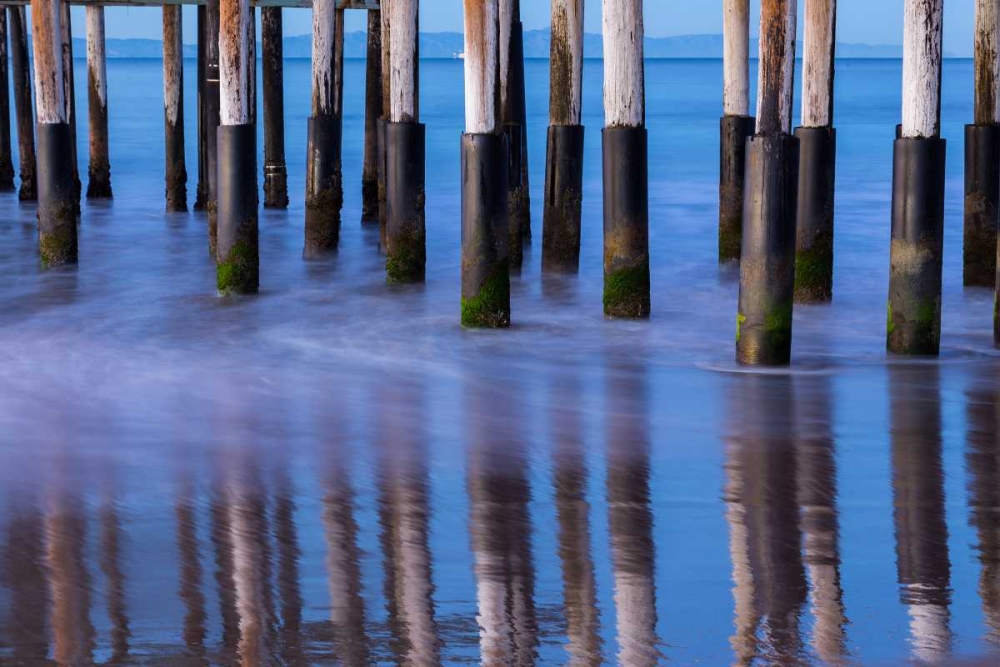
(334, 472)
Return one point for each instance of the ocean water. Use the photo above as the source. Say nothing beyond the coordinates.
(334, 472)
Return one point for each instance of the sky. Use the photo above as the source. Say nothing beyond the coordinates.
(867, 21)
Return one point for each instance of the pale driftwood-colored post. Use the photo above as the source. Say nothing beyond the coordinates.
(238, 263)
(914, 311)
(20, 59)
(404, 138)
(485, 224)
(69, 97)
(6, 157)
(56, 214)
(513, 115)
(99, 171)
(173, 108)
(373, 111)
(626, 193)
(735, 126)
(982, 153)
(211, 121)
(324, 190)
(275, 171)
(561, 219)
(767, 257)
(817, 156)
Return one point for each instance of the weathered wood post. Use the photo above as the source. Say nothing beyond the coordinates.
(404, 144)
(736, 125)
(6, 158)
(982, 153)
(275, 172)
(914, 312)
(564, 145)
(817, 157)
(173, 108)
(373, 111)
(386, 35)
(626, 194)
(238, 269)
(323, 176)
(767, 264)
(211, 121)
(20, 59)
(56, 214)
(99, 171)
(69, 97)
(485, 224)
(513, 116)
(200, 197)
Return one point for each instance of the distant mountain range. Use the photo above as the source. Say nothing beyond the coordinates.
(536, 45)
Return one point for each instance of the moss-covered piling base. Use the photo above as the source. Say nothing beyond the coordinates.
(626, 223)
(57, 235)
(815, 214)
(814, 272)
(322, 235)
(733, 134)
(489, 307)
(238, 271)
(626, 292)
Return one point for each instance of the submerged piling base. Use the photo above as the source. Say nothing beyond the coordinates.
(57, 241)
(914, 311)
(814, 226)
(626, 222)
(563, 198)
(383, 210)
(275, 186)
(238, 268)
(324, 192)
(485, 232)
(767, 264)
(405, 233)
(175, 189)
(982, 204)
(518, 199)
(733, 134)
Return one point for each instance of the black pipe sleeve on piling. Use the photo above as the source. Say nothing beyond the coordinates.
(485, 232)
(982, 204)
(405, 231)
(323, 186)
(563, 198)
(814, 226)
(626, 222)
(238, 268)
(383, 210)
(518, 204)
(767, 264)
(733, 134)
(914, 311)
(57, 237)
(212, 103)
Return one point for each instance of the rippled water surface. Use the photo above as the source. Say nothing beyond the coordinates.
(333, 472)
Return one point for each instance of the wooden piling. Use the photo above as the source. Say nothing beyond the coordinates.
(324, 193)
(20, 59)
(404, 138)
(6, 157)
(513, 116)
(201, 189)
(238, 263)
(275, 171)
(817, 157)
(485, 223)
(99, 171)
(561, 218)
(211, 121)
(626, 194)
(914, 310)
(982, 153)
(173, 108)
(736, 125)
(373, 111)
(386, 38)
(69, 97)
(767, 263)
(57, 239)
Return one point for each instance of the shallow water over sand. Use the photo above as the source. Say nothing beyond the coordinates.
(335, 472)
